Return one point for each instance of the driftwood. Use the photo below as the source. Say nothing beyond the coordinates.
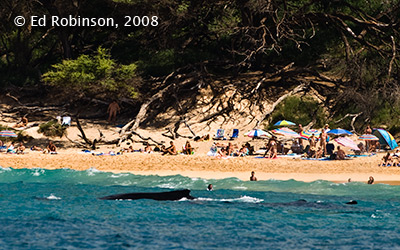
(353, 120)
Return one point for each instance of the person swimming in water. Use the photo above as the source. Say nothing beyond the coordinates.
(371, 180)
(253, 177)
(210, 187)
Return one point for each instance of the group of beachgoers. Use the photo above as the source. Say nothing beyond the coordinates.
(19, 148)
(187, 149)
(317, 147)
(226, 150)
(391, 159)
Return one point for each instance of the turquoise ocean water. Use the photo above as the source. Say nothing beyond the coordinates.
(60, 209)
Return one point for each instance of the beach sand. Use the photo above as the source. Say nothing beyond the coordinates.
(358, 169)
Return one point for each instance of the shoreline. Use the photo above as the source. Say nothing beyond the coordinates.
(205, 167)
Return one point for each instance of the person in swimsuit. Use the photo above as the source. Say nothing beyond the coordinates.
(253, 177)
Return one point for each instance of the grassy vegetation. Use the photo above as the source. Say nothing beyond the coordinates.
(52, 128)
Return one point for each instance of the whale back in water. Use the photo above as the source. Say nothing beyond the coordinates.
(160, 196)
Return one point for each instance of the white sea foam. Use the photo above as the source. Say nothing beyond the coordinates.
(245, 198)
(168, 185)
(119, 175)
(53, 197)
(240, 188)
(91, 171)
(38, 171)
(124, 183)
(3, 169)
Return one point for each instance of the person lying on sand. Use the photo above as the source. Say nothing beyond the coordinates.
(36, 148)
(386, 160)
(171, 150)
(22, 123)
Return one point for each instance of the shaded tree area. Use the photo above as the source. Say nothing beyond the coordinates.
(346, 51)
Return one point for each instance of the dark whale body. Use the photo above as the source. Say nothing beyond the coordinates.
(160, 196)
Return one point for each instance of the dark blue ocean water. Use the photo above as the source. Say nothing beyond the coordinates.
(60, 209)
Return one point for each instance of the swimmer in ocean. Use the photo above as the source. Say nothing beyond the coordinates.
(252, 177)
(210, 187)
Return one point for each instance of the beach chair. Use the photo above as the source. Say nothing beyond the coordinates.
(219, 135)
(66, 121)
(235, 134)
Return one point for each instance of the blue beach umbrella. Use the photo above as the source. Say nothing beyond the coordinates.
(339, 131)
(284, 123)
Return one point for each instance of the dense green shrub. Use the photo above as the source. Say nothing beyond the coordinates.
(93, 76)
(300, 111)
(52, 128)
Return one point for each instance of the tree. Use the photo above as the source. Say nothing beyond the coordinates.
(96, 76)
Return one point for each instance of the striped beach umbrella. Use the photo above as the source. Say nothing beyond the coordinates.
(347, 142)
(258, 133)
(368, 137)
(284, 123)
(7, 133)
(287, 132)
(308, 133)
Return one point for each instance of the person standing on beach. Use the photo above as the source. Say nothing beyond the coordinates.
(368, 131)
(300, 139)
(323, 138)
(112, 111)
(253, 177)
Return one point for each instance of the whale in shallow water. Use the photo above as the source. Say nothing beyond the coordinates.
(160, 196)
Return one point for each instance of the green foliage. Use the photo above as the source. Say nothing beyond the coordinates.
(52, 128)
(93, 75)
(300, 111)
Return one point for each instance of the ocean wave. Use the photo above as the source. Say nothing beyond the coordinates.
(94, 176)
(244, 198)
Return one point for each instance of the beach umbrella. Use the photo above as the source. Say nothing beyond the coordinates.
(368, 137)
(385, 138)
(7, 133)
(258, 133)
(287, 132)
(308, 133)
(339, 131)
(284, 123)
(347, 142)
